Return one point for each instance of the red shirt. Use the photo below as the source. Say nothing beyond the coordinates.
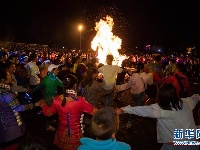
(172, 79)
(69, 132)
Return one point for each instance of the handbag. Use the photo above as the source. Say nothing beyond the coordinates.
(150, 90)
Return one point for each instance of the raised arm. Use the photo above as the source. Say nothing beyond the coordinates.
(152, 111)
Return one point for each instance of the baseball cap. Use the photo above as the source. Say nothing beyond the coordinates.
(52, 66)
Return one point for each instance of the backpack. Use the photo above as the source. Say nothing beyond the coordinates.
(183, 92)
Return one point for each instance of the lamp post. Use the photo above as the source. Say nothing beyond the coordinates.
(80, 29)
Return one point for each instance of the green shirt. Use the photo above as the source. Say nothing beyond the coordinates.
(50, 83)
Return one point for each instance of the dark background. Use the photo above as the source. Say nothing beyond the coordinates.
(137, 22)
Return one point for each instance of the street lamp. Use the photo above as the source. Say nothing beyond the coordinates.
(80, 29)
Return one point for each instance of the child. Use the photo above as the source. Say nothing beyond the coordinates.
(105, 124)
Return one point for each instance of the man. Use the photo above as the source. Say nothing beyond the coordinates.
(33, 70)
(81, 69)
(169, 67)
(50, 84)
(33, 75)
(78, 60)
(109, 72)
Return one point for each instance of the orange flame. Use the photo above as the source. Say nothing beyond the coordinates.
(106, 43)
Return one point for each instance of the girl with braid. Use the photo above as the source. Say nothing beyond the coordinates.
(70, 109)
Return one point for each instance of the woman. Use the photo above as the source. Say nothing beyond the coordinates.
(137, 83)
(12, 125)
(11, 70)
(91, 89)
(172, 113)
(70, 108)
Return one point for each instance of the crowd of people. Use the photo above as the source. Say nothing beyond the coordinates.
(76, 91)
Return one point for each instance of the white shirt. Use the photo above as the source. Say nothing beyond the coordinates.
(135, 83)
(33, 70)
(147, 78)
(109, 75)
(167, 120)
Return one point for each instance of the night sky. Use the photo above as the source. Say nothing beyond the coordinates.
(137, 22)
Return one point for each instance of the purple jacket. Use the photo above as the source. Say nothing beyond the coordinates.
(12, 125)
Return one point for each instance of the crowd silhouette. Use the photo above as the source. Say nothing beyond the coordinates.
(53, 95)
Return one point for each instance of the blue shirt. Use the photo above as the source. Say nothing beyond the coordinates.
(110, 144)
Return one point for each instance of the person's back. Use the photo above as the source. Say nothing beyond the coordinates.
(121, 76)
(105, 124)
(109, 79)
(137, 85)
(65, 70)
(91, 89)
(92, 63)
(182, 121)
(155, 67)
(150, 87)
(70, 109)
(169, 67)
(109, 73)
(81, 70)
(174, 116)
(177, 70)
(78, 60)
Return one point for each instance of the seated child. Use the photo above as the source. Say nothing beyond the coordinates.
(105, 124)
